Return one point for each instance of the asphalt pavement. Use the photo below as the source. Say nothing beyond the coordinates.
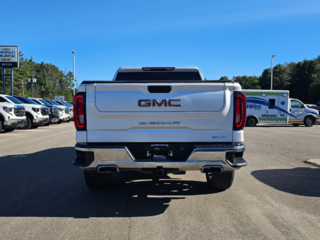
(277, 196)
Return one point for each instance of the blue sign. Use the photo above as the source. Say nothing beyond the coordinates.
(283, 103)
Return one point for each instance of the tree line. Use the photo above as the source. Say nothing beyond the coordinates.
(302, 79)
(51, 81)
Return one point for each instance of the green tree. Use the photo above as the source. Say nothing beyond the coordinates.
(247, 82)
(224, 78)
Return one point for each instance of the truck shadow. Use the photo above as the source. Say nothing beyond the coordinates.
(45, 184)
(302, 181)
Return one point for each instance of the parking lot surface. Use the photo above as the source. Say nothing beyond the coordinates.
(277, 196)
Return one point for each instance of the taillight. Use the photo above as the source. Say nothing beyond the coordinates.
(240, 111)
(79, 111)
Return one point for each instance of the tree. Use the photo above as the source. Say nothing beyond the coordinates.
(224, 78)
(247, 82)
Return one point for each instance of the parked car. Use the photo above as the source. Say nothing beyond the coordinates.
(12, 116)
(69, 105)
(54, 113)
(275, 106)
(36, 115)
(313, 106)
(166, 120)
(64, 110)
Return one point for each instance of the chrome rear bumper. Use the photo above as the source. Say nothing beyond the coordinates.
(123, 159)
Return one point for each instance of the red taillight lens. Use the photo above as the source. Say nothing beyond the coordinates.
(240, 110)
(79, 107)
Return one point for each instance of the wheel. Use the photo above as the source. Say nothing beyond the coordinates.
(308, 121)
(0, 126)
(48, 124)
(27, 124)
(251, 122)
(97, 181)
(295, 125)
(9, 130)
(59, 122)
(220, 181)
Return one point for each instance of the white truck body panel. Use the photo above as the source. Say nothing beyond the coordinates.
(205, 115)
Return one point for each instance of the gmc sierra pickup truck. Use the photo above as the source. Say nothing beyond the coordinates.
(159, 120)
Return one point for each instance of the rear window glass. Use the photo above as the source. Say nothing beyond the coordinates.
(158, 76)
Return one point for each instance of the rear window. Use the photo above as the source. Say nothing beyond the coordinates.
(158, 76)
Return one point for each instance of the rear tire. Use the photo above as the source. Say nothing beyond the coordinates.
(0, 126)
(308, 121)
(296, 125)
(59, 122)
(220, 181)
(97, 181)
(251, 122)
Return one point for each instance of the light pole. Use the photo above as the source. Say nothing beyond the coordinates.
(74, 72)
(271, 71)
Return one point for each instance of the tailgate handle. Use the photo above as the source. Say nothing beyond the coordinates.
(159, 89)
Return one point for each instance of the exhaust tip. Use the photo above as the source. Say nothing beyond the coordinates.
(108, 169)
(211, 169)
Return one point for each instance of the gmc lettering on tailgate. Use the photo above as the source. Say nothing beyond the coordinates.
(161, 103)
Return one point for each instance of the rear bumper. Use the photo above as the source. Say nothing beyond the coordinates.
(13, 123)
(90, 158)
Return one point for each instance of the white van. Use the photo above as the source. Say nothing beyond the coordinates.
(275, 106)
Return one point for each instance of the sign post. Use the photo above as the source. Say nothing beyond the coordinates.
(9, 59)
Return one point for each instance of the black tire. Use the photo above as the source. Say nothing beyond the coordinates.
(251, 122)
(97, 181)
(308, 121)
(28, 124)
(296, 125)
(220, 181)
(0, 126)
(9, 130)
(59, 122)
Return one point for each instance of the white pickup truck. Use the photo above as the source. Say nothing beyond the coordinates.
(159, 120)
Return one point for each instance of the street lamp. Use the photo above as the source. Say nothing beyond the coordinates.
(271, 71)
(74, 72)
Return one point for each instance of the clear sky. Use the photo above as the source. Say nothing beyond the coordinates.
(222, 38)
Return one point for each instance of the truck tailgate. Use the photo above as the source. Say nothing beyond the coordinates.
(124, 112)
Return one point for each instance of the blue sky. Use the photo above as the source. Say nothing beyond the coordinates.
(222, 38)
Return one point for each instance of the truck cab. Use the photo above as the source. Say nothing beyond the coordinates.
(301, 114)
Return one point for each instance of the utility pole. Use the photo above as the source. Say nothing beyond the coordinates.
(74, 73)
(31, 77)
(271, 71)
